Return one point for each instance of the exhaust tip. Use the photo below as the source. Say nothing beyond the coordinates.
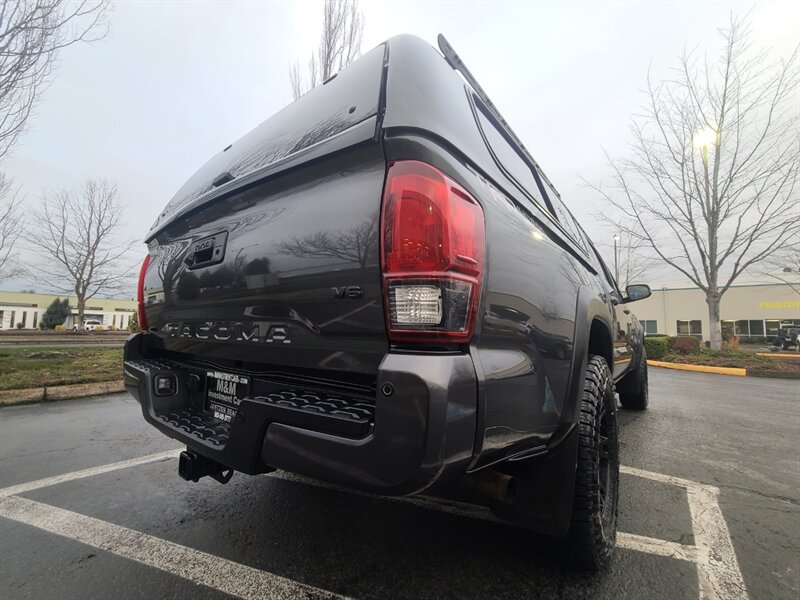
(511, 491)
(494, 484)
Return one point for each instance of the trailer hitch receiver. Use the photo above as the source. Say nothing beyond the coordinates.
(192, 466)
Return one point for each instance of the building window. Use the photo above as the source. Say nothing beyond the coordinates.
(13, 317)
(742, 328)
(728, 328)
(24, 318)
(773, 325)
(2, 314)
(650, 327)
(693, 328)
(750, 328)
(35, 319)
(757, 328)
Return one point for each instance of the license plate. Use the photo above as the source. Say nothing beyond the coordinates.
(224, 393)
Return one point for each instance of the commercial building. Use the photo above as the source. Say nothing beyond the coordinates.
(24, 310)
(746, 310)
(749, 311)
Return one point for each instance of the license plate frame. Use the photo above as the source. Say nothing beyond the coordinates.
(224, 393)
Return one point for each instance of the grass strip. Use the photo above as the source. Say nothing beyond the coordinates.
(48, 366)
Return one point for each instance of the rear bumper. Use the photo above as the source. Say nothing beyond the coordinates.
(421, 432)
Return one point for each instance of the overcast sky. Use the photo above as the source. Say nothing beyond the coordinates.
(176, 82)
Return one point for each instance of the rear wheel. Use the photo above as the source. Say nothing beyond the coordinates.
(632, 389)
(593, 528)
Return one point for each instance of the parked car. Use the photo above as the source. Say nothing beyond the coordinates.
(788, 337)
(379, 287)
(89, 325)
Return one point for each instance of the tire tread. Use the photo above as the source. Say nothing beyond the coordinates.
(590, 545)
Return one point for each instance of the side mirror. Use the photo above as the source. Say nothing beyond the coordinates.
(637, 292)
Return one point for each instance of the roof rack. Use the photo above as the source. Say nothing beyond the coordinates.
(454, 60)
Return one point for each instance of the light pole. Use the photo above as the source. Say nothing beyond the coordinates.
(616, 259)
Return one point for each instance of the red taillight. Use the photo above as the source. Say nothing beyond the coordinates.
(432, 251)
(140, 294)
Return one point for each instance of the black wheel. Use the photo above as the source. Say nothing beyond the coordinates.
(632, 389)
(593, 529)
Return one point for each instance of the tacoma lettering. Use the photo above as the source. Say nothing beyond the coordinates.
(224, 331)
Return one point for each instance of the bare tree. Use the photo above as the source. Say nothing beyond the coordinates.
(11, 223)
(32, 32)
(711, 187)
(75, 232)
(784, 266)
(340, 44)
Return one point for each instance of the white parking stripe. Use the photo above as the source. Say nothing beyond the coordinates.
(123, 464)
(199, 567)
(669, 479)
(648, 545)
(718, 570)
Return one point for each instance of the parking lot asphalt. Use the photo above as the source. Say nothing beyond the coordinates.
(91, 506)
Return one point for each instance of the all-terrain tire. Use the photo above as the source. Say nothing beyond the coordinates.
(633, 389)
(593, 528)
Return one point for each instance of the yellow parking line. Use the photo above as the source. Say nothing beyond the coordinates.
(698, 368)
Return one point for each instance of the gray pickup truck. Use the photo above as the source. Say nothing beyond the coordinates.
(379, 287)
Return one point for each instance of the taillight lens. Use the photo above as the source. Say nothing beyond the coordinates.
(432, 252)
(140, 294)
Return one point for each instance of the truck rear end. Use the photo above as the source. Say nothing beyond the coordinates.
(307, 302)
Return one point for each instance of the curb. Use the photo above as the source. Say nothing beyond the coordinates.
(59, 392)
(698, 368)
(778, 354)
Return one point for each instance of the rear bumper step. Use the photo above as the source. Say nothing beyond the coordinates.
(421, 432)
(196, 424)
(319, 411)
(310, 410)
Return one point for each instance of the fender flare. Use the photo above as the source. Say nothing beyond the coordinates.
(589, 307)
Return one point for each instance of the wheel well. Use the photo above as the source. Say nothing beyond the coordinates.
(600, 342)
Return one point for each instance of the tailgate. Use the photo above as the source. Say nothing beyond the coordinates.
(284, 274)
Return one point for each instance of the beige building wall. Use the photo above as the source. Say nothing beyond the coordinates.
(746, 302)
(26, 308)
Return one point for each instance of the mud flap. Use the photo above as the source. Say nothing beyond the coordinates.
(545, 487)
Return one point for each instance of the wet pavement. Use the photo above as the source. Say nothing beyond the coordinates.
(91, 506)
